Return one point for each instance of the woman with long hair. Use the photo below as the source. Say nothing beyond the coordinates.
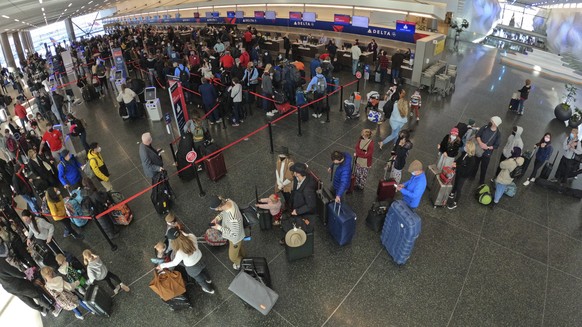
(62, 292)
(185, 247)
(464, 166)
(364, 157)
(543, 150)
(398, 118)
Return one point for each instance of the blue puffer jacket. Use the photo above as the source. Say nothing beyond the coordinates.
(69, 171)
(342, 175)
(413, 190)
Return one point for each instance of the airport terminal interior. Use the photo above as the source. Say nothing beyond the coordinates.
(519, 264)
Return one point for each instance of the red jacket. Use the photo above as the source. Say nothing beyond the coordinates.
(227, 61)
(20, 111)
(248, 36)
(244, 58)
(365, 154)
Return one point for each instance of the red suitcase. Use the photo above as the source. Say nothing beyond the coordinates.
(386, 188)
(215, 167)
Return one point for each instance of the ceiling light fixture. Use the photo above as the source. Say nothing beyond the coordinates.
(16, 20)
(42, 9)
(5, 16)
(70, 4)
(40, 1)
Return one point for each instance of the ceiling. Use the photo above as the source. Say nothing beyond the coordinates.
(28, 14)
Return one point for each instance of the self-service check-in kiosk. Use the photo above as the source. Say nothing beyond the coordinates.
(152, 104)
(119, 80)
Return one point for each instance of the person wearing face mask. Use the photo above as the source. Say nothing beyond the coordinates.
(98, 166)
(504, 179)
(230, 223)
(413, 189)
(544, 151)
(54, 138)
(464, 166)
(513, 141)
(77, 128)
(284, 176)
(448, 149)
(56, 206)
(487, 139)
(568, 163)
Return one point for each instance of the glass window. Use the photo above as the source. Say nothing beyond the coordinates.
(88, 25)
(50, 34)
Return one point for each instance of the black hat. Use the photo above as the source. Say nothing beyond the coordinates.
(284, 151)
(215, 202)
(173, 233)
(64, 153)
(299, 168)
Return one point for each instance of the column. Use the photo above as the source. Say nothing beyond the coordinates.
(25, 44)
(7, 51)
(18, 46)
(70, 29)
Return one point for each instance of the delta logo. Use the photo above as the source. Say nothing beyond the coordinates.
(305, 24)
(338, 28)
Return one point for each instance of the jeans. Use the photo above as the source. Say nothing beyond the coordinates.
(237, 112)
(395, 74)
(83, 138)
(520, 106)
(131, 109)
(499, 190)
(354, 66)
(396, 126)
(82, 304)
(214, 115)
(31, 201)
(200, 274)
(266, 103)
(111, 276)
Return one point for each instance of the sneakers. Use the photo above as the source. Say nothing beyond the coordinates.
(116, 290)
(209, 291)
(452, 195)
(314, 115)
(319, 116)
(208, 281)
(124, 287)
(219, 121)
(277, 223)
(235, 266)
(212, 123)
(452, 205)
(380, 144)
(43, 312)
(235, 125)
(199, 168)
(533, 179)
(270, 114)
(79, 317)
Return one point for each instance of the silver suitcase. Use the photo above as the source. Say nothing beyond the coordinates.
(253, 292)
(439, 192)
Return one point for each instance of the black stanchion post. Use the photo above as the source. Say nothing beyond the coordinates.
(327, 108)
(299, 120)
(271, 138)
(341, 103)
(113, 245)
(358, 86)
(222, 111)
(200, 190)
(173, 152)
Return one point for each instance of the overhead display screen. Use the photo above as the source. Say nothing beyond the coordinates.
(270, 15)
(309, 17)
(360, 21)
(294, 15)
(341, 19)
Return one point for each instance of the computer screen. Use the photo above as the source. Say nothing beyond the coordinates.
(230, 14)
(294, 15)
(118, 75)
(150, 93)
(208, 14)
(360, 21)
(341, 19)
(270, 15)
(309, 17)
(347, 45)
(215, 14)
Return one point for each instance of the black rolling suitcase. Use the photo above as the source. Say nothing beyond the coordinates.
(513, 104)
(377, 215)
(98, 301)
(527, 156)
(162, 194)
(257, 267)
(264, 215)
(324, 197)
(180, 302)
(547, 168)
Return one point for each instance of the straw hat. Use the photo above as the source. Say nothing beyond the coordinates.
(295, 237)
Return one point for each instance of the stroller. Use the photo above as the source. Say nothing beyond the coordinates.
(373, 98)
(352, 106)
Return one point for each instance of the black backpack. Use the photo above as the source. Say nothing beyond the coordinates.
(184, 76)
(517, 172)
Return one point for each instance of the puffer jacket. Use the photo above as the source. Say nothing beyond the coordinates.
(57, 209)
(342, 176)
(98, 166)
(413, 190)
(69, 171)
(512, 142)
(507, 166)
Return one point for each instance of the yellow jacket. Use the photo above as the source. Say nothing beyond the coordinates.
(96, 162)
(57, 209)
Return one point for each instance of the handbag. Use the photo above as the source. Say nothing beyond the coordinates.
(478, 150)
(168, 284)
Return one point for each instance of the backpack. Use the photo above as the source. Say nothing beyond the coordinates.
(321, 86)
(87, 170)
(483, 194)
(517, 172)
(100, 70)
(277, 74)
(184, 77)
(295, 75)
(11, 144)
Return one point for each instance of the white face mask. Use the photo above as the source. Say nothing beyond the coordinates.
(58, 192)
(453, 137)
(547, 139)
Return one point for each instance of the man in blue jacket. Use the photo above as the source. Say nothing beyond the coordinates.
(318, 85)
(69, 170)
(343, 173)
(314, 64)
(413, 189)
(209, 96)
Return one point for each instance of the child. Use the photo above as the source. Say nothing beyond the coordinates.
(161, 255)
(415, 103)
(61, 291)
(273, 203)
(399, 154)
(72, 270)
(96, 271)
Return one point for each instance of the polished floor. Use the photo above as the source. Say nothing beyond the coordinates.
(518, 265)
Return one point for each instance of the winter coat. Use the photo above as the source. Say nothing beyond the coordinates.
(208, 94)
(465, 166)
(95, 160)
(451, 148)
(507, 166)
(70, 171)
(267, 84)
(343, 175)
(543, 154)
(57, 209)
(38, 167)
(303, 198)
(512, 142)
(96, 270)
(283, 175)
(413, 190)
(400, 153)
(21, 185)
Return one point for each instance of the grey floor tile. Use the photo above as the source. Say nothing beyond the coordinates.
(565, 254)
(563, 300)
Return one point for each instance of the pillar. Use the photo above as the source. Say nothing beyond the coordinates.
(18, 46)
(25, 43)
(7, 51)
(70, 29)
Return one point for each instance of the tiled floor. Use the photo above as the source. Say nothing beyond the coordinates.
(519, 265)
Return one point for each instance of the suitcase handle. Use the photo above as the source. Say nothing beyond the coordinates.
(338, 209)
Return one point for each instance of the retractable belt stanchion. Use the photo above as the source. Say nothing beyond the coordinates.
(341, 98)
(113, 245)
(299, 120)
(201, 192)
(327, 108)
(271, 138)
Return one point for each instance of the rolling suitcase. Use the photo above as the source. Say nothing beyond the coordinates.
(215, 167)
(253, 292)
(432, 174)
(386, 188)
(123, 214)
(179, 303)
(401, 229)
(377, 215)
(303, 251)
(341, 222)
(439, 192)
(527, 156)
(324, 197)
(547, 168)
(98, 301)
(258, 268)
(378, 77)
(513, 104)
(162, 193)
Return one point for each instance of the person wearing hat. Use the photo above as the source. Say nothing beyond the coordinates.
(284, 175)
(487, 139)
(187, 252)
(448, 149)
(303, 201)
(413, 189)
(513, 141)
(230, 223)
(364, 157)
(69, 170)
(343, 173)
(504, 177)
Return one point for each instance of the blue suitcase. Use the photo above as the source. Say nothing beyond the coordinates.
(401, 229)
(341, 222)
(336, 83)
